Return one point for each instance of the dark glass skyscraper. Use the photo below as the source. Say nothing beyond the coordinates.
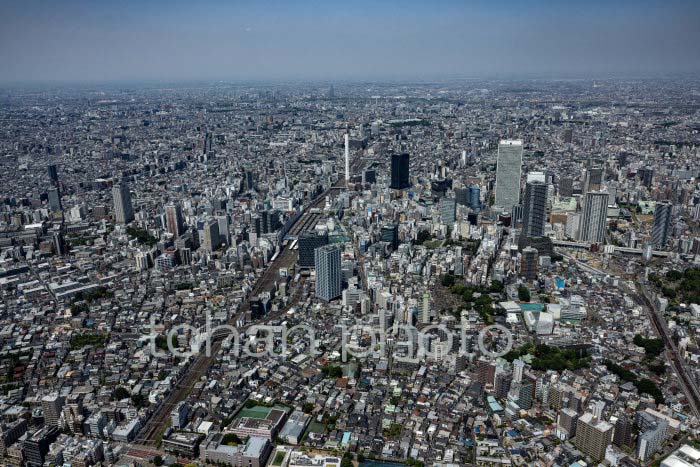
(399, 171)
(534, 209)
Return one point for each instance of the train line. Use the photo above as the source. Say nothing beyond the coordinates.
(154, 427)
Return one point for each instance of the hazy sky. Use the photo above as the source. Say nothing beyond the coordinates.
(173, 40)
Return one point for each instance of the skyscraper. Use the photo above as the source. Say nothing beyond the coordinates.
(448, 210)
(508, 167)
(211, 235)
(123, 210)
(534, 209)
(400, 171)
(593, 221)
(662, 224)
(308, 242)
(173, 219)
(475, 198)
(593, 180)
(55, 200)
(329, 274)
(53, 173)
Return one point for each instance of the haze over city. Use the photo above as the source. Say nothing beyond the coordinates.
(87, 41)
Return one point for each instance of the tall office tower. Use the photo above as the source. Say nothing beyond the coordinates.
(663, 214)
(462, 196)
(595, 214)
(647, 176)
(53, 173)
(425, 309)
(566, 187)
(123, 210)
(211, 235)
(308, 242)
(329, 274)
(593, 436)
(347, 158)
(448, 210)
(224, 234)
(508, 167)
(623, 432)
(528, 263)
(566, 425)
(37, 445)
(534, 209)
(52, 406)
(55, 199)
(593, 180)
(475, 198)
(400, 171)
(174, 220)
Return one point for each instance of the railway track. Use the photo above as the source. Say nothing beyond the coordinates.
(157, 422)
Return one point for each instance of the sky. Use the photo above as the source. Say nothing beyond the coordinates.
(174, 40)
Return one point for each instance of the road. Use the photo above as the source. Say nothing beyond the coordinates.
(158, 420)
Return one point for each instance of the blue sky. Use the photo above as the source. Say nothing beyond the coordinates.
(331, 40)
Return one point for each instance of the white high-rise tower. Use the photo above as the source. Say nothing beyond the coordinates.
(347, 158)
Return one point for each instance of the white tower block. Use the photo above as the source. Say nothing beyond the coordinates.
(347, 158)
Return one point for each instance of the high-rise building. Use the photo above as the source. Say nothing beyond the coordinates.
(534, 209)
(485, 372)
(390, 234)
(211, 239)
(400, 171)
(329, 273)
(662, 224)
(566, 425)
(593, 436)
(123, 210)
(37, 445)
(59, 243)
(528, 264)
(647, 175)
(52, 405)
(566, 187)
(448, 210)
(652, 440)
(508, 168)
(623, 432)
(308, 242)
(55, 200)
(462, 196)
(475, 198)
(425, 309)
(594, 218)
(174, 220)
(53, 173)
(593, 180)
